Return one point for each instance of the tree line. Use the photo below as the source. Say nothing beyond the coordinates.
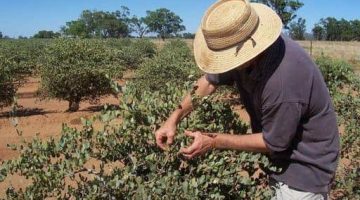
(332, 29)
(329, 29)
(164, 23)
(119, 24)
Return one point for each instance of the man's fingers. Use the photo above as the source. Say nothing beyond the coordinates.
(188, 150)
(190, 133)
(188, 156)
(170, 140)
(160, 141)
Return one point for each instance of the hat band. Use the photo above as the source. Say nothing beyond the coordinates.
(241, 34)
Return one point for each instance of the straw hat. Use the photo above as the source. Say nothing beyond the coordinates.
(232, 33)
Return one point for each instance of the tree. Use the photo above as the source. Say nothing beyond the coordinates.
(138, 26)
(76, 28)
(46, 34)
(77, 70)
(164, 22)
(286, 9)
(346, 31)
(318, 32)
(355, 24)
(331, 27)
(188, 35)
(339, 30)
(100, 24)
(297, 29)
(1, 35)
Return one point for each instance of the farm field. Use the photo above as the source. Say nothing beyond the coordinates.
(349, 51)
(156, 83)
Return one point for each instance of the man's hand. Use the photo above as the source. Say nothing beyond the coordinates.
(202, 143)
(165, 135)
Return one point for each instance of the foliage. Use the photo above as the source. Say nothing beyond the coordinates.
(318, 32)
(8, 75)
(339, 30)
(76, 70)
(298, 29)
(18, 59)
(137, 52)
(286, 9)
(164, 22)
(99, 24)
(344, 87)
(138, 26)
(47, 34)
(26, 53)
(188, 35)
(133, 52)
(61, 169)
(174, 63)
(1, 35)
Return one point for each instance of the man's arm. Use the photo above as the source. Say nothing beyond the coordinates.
(165, 135)
(203, 142)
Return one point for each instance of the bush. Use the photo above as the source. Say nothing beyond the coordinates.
(7, 85)
(174, 63)
(178, 48)
(15, 64)
(77, 70)
(26, 53)
(60, 169)
(136, 53)
(344, 87)
(337, 73)
(133, 51)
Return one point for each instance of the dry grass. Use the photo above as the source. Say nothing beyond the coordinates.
(349, 51)
(160, 43)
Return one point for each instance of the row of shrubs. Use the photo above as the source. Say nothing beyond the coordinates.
(130, 166)
(127, 163)
(78, 70)
(146, 102)
(344, 86)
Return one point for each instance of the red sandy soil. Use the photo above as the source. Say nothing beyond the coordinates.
(44, 118)
(41, 117)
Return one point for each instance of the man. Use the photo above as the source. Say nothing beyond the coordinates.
(291, 113)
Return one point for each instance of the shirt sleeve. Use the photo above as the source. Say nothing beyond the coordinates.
(220, 79)
(280, 123)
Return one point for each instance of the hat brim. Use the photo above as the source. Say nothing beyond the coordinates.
(220, 61)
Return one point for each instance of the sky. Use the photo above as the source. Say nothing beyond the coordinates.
(27, 17)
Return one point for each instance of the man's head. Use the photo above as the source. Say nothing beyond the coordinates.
(233, 33)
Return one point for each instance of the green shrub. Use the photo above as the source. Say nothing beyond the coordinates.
(15, 65)
(77, 70)
(344, 87)
(145, 171)
(118, 43)
(337, 73)
(133, 51)
(178, 48)
(137, 52)
(174, 63)
(7, 85)
(26, 53)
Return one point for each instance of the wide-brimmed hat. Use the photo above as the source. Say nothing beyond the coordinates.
(233, 32)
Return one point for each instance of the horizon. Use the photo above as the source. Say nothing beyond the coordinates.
(26, 18)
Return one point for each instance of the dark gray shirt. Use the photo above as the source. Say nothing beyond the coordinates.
(288, 101)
